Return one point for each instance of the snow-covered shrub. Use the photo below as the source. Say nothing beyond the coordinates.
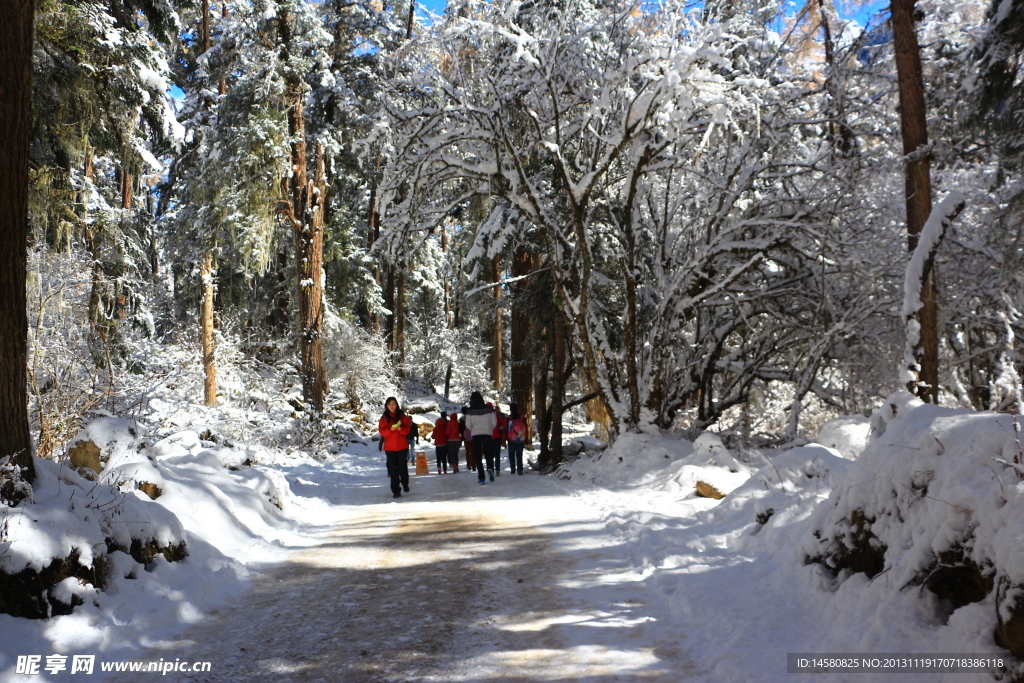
(357, 362)
(64, 380)
(432, 348)
(934, 501)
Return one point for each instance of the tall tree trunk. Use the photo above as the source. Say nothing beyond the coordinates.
(223, 14)
(844, 141)
(308, 197)
(279, 314)
(412, 14)
(448, 320)
(206, 277)
(496, 344)
(371, 239)
(91, 246)
(918, 190)
(206, 331)
(15, 122)
(400, 319)
(558, 391)
(523, 263)
(444, 277)
(389, 303)
(125, 181)
(543, 415)
(309, 250)
(206, 25)
(154, 252)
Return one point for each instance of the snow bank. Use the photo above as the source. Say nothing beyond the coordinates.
(733, 574)
(229, 514)
(785, 490)
(847, 434)
(69, 515)
(934, 503)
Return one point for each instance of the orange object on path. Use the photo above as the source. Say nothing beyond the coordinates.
(421, 463)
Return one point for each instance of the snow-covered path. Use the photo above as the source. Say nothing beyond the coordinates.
(455, 581)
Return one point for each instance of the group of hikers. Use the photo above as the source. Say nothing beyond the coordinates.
(483, 428)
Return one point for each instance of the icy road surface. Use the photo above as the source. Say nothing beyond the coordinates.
(453, 582)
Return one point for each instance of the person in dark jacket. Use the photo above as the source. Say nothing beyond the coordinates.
(467, 440)
(413, 438)
(394, 428)
(440, 437)
(480, 420)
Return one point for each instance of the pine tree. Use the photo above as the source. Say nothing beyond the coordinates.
(15, 124)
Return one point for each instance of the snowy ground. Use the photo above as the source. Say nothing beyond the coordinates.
(616, 573)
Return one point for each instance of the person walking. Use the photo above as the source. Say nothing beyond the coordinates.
(454, 441)
(394, 427)
(467, 439)
(413, 439)
(480, 420)
(515, 434)
(440, 437)
(497, 436)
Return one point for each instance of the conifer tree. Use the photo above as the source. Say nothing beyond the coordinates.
(15, 124)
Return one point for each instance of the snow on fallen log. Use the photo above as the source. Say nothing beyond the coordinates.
(931, 236)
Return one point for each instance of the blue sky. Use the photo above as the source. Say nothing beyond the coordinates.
(856, 9)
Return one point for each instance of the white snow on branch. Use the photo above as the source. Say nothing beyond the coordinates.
(930, 238)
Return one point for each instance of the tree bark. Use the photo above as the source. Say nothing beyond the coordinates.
(206, 331)
(371, 239)
(308, 197)
(309, 250)
(389, 303)
(444, 276)
(843, 143)
(400, 318)
(15, 122)
(125, 181)
(558, 391)
(543, 417)
(523, 263)
(448, 320)
(917, 178)
(223, 14)
(206, 25)
(496, 357)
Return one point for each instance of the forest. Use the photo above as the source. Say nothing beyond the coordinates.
(752, 272)
(673, 216)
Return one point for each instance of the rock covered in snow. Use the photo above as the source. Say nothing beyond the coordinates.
(847, 434)
(710, 448)
(102, 441)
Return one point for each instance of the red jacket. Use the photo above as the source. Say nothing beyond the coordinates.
(395, 439)
(499, 428)
(453, 430)
(440, 433)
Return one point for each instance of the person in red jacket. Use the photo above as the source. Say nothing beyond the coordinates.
(497, 437)
(394, 429)
(454, 441)
(440, 437)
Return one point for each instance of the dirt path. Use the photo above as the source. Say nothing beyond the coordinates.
(437, 590)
